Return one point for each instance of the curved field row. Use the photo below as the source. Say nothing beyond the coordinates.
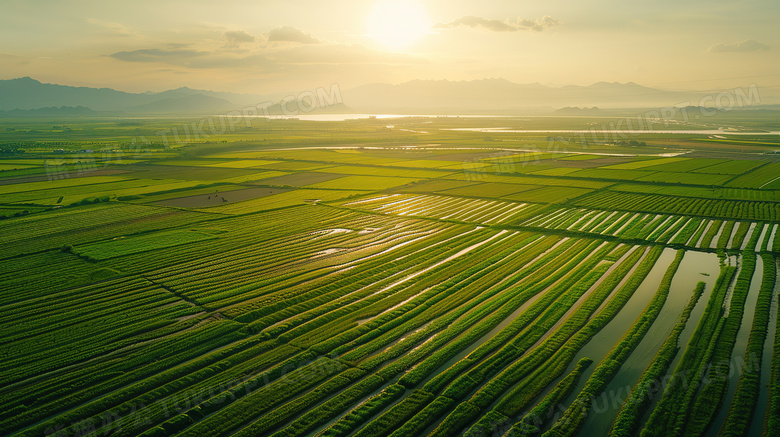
(397, 314)
(447, 208)
(714, 208)
(661, 228)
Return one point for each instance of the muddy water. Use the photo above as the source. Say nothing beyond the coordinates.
(738, 353)
(757, 423)
(607, 406)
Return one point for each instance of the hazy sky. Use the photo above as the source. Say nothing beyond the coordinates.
(262, 46)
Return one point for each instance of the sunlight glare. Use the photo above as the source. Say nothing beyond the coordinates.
(398, 24)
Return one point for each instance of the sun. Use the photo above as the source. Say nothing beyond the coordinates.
(398, 24)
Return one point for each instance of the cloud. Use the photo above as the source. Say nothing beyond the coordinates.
(500, 26)
(10, 58)
(472, 21)
(157, 55)
(268, 59)
(291, 34)
(237, 37)
(749, 45)
(537, 25)
(110, 28)
(339, 54)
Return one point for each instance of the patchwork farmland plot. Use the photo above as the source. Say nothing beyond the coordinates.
(392, 291)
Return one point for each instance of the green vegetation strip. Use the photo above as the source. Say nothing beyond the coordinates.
(140, 243)
(575, 415)
(674, 409)
(745, 399)
(629, 418)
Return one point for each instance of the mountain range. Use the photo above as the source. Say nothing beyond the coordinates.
(504, 96)
(487, 96)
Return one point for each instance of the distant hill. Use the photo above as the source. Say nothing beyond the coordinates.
(292, 107)
(188, 103)
(486, 96)
(575, 110)
(27, 93)
(62, 111)
(500, 95)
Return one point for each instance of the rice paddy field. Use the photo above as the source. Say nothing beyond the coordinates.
(358, 279)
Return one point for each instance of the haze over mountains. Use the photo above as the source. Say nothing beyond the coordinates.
(29, 97)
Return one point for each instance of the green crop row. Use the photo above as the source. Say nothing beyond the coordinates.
(772, 420)
(739, 235)
(602, 227)
(758, 177)
(709, 399)
(500, 350)
(633, 230)
(282, 294)
(558, 348)
(672, 411)
(687, 232)
(213, 379)
(499, 250)
(389, 328)
(533, 421)
(706, 242)
(118, 333)
(663, 227)
(338, 294)
(354, 330)
(396, 416)
(621, 223)
(628, 419)
(717, 208)
(220, 419)
(745, 399)
(725, 235)
(600, 218)
(125, 371)
(674, 229)
(427, 415)
(575, 415)
(454, 308)
(443, 355)
(463, 321)
(752, 242)
(699, 233)
(365, 411)
(527, 390)
(325, 395)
